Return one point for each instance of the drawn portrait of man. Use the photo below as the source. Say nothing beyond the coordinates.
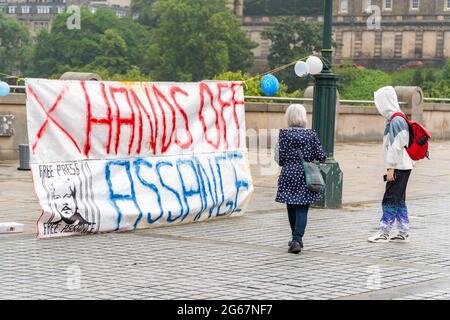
(64, 198)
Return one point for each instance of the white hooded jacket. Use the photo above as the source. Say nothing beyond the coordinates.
(396, 133)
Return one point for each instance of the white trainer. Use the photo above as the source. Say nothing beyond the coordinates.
(379, 238)
(400, 238)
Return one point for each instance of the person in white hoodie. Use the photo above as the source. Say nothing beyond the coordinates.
(399, 166)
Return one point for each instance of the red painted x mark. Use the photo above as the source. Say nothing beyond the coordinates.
(50, 118)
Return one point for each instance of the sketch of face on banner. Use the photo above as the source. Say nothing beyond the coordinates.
(65, 199)
(70, 198)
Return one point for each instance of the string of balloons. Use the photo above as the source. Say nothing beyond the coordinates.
(270, 84)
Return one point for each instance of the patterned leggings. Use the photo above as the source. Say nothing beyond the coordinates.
(395, 213)
(394, 205)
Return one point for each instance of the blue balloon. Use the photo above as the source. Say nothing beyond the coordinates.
(4, 89)
(270, 85)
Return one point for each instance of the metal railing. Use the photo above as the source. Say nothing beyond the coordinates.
(278, 99)
(436, 100)
(342, 101)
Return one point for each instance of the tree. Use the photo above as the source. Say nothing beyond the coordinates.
(111, 43)
(144, 10)
(291, 40)
(14, 46)
(196, 39)
(114, 50)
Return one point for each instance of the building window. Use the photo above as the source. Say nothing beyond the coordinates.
(344, 6)
(43, 9)
(12, 9)
(387, 5)
(415, 4)
(25, 9)
(447, 4)
(61, 9)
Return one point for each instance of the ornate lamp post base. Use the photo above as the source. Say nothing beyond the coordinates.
(333, 177)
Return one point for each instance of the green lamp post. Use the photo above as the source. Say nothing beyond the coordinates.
(324, 116)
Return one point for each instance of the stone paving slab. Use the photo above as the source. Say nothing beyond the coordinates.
(239, 258)
(244, 257)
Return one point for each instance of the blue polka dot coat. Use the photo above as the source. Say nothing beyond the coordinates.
(291, 182)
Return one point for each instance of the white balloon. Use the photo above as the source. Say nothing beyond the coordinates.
(315, 65)
(301, 69)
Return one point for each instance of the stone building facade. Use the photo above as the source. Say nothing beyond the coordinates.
(35, 14)
(237, 6)
(409, 31)
(38, 14)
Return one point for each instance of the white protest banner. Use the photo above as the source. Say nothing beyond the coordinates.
(116, 156)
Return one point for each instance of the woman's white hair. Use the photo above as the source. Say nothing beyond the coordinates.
(296, 116)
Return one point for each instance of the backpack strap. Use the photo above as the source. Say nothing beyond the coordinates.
(399, 114)
(408, 122)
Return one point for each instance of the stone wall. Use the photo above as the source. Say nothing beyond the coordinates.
(13, 104)
(355, 123)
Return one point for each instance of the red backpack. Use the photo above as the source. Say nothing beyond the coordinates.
(418, 138)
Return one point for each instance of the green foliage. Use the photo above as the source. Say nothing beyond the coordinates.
(430, 77)
(114, 49)
(283, 7)
(14, 46)
(440, 89)
(291, 40)
(433, 81)
(104, 41)
(417, 79)
(144, 10)
(196, 39)
(188, 40)
(358, 84)
(446, 71)
(403, 77)
(132, 74)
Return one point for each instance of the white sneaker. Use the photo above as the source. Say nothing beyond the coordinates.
(379, 238)
(400, 238)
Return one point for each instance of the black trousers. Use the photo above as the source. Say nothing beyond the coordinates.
(298, 218)
(395, 194)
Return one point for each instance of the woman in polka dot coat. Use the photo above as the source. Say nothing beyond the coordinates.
(292, 188)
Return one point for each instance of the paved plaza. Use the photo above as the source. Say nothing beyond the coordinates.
(244, 257)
